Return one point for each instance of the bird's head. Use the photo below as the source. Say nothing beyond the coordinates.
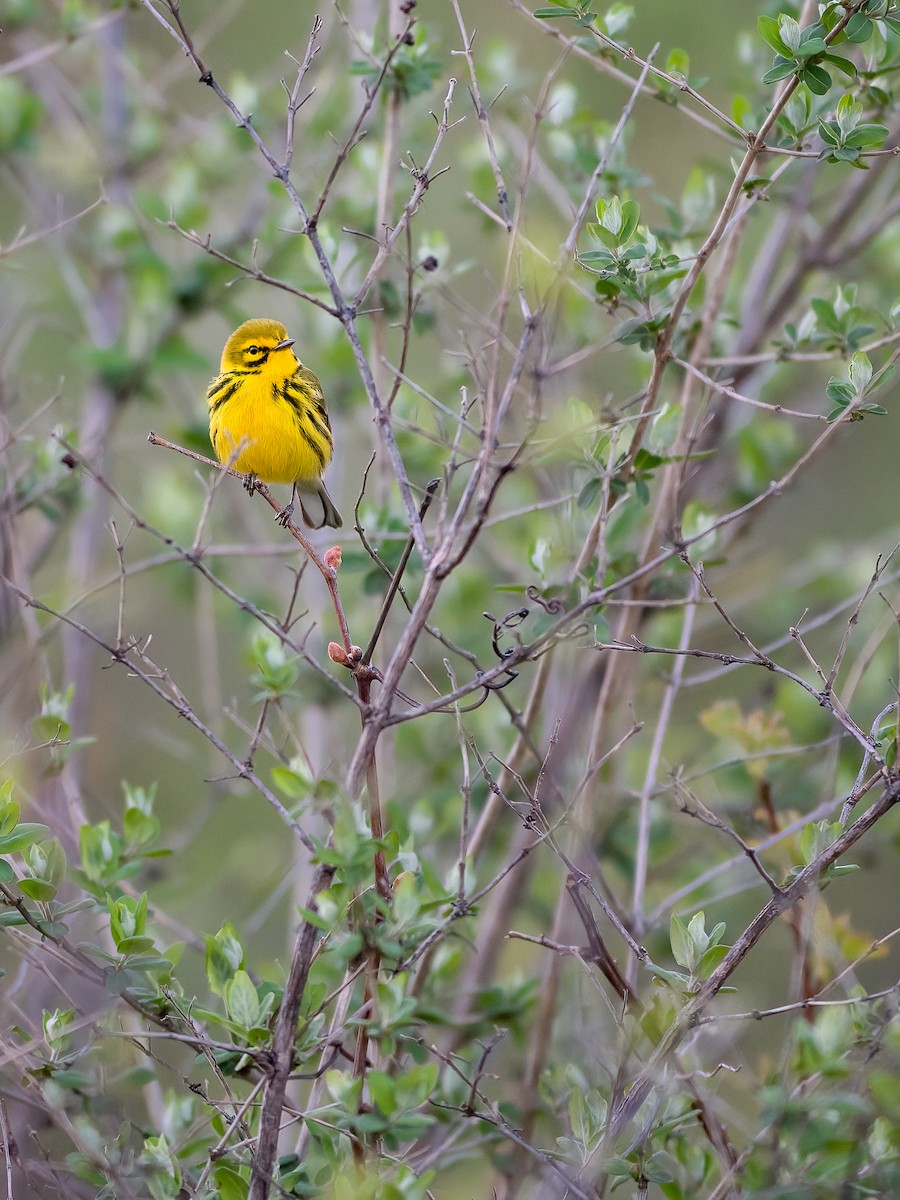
(259, 343)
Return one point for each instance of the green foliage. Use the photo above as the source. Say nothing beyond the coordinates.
(801, 53)
(833, 1133)
(127, 922)
(597, 293)
(848, 135)
(16, 835)
(224, 957)
(20, 112)
(632, 267)
(847, 395)
(53, 725)
(815, 840)
(695, 949)
(276, 670)
(412, 72)
(581, 14)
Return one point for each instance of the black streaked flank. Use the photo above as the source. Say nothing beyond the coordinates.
(217, 396)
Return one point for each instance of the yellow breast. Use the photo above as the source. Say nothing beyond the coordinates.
(283, 442)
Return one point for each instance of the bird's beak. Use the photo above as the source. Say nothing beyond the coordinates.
(286, 344)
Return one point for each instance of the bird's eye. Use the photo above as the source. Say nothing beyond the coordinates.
(253, 349)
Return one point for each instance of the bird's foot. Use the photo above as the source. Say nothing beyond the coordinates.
(285, 515)
(251, 483)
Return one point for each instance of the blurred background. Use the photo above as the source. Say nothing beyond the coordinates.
(139, 226)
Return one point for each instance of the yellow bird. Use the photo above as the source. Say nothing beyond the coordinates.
(265, 401)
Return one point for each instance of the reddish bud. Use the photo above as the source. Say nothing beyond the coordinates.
(338, 654)
(333, 557)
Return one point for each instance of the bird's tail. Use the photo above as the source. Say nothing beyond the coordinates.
(317, 507)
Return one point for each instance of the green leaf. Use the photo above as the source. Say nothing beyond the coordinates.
(858, 28)
(47, 861)
(825, 315)
(867, 136)
(657, 1170)
(839, 391)
(811, 48)
(674, 978)
(344, 1089)
(698, 934)
(314, 918)
(293, 780)
(843, 64)
(609, 215)
(783, 67)
(37, 889)
(710, 960)
(140, 829)
(100, 850)
(770, 32)
(860, 371)
(9, 817)
(134, 945)
(602, 257)
(716, 933)
(383, 1089)
(631, 215)
(619, 1168)
(816, 79)
(229, 1183)
(127, 918)
(789, 30)
(829, 132)
(678, 62)
(23, 836)
(590, 493)
(241, 1000)
(885, 375)
(681, 942)
(658, 281)
(224, 956)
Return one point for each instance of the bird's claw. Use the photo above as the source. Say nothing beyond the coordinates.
(251, 483)
(285, 515)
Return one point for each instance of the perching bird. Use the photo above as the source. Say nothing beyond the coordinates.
(268, 403)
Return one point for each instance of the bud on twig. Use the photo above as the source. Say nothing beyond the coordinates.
(338, 654)
(333, 557)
